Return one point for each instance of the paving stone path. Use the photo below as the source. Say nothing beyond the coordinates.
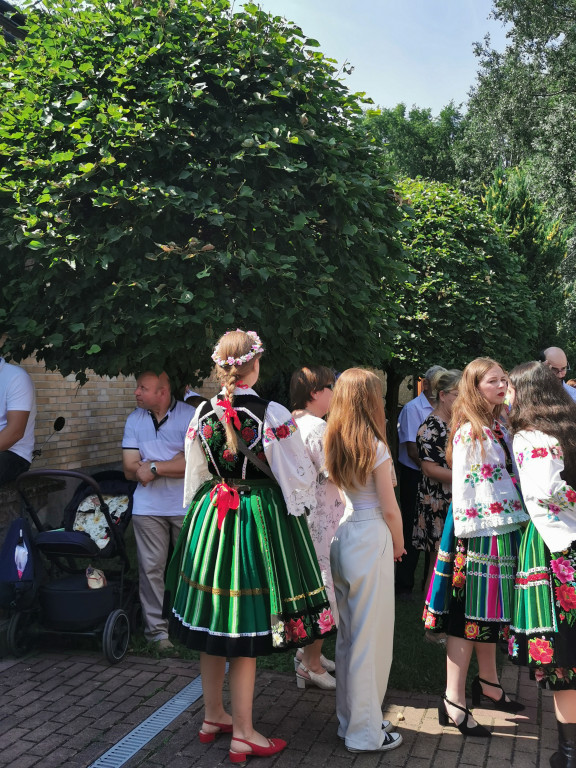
(65, 710)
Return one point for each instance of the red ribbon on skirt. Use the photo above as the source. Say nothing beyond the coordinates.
(226, 498)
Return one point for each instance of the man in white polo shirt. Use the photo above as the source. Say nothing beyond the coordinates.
(153, 454)
(17, 417)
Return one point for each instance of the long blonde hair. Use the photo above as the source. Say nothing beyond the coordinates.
(234, 344)
(471, 406)
(355, 423)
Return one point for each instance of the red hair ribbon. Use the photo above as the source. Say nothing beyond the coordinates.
(230, 414)
(226, 498)
(240, 384)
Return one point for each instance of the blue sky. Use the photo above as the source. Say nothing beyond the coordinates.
(412, 51)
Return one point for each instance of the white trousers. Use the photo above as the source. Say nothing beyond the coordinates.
(362, 562)
(153, 535)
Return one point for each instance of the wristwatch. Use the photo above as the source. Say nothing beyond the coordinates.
(153, 469)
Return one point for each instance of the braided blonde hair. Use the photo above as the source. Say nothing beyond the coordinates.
(234, 344)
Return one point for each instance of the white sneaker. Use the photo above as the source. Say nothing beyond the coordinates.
(386, 726)
(391, 741)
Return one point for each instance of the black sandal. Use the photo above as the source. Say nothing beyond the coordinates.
(512, 707)
(463, 727)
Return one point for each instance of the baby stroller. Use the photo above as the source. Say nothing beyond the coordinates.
(74, 597)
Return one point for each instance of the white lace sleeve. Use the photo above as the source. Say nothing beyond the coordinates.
(289, 460)
(197, 471)
(314, 442)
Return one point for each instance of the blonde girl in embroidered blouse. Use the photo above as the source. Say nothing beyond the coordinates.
(543, 635)
(483, 539)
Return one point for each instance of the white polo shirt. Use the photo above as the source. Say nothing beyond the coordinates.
(17, 394)
(163, 496)
(409, 421)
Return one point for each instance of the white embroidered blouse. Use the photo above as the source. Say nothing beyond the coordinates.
(485, 501)
(550, 501)
(284, 452)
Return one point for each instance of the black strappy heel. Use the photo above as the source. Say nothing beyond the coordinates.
(512, 707)
(463, 727)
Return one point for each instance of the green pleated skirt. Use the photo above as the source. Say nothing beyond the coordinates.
(252, 588)
(543, 632)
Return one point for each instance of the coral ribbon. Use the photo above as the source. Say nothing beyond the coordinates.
(226, 498)
(230, 414)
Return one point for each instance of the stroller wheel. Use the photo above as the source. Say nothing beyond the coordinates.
(18, 640)
(116, 636)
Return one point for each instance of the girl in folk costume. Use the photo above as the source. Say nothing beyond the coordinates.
(244, 580)
(310, 396)
(543, 633)
(365, 546)
(471, 596)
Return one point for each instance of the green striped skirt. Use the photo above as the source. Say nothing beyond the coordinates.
(543, 632)
(472, 592)
(252, 587)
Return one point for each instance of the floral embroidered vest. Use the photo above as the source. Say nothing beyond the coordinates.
(223, 462)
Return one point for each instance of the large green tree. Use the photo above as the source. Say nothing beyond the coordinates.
(465, 295)
(172, 169)
(418, 143)
(539, 242)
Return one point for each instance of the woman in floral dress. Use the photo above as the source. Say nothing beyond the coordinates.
(435, 487)
(244, 580)
(472, 592)
(310, 396)
(543, 634)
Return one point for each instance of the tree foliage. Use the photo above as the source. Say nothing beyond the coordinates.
(466, 295)
(539, 243)
(173, 169)
(418, 143)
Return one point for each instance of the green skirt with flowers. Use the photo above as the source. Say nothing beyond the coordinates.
(543, 632)
(252, 587)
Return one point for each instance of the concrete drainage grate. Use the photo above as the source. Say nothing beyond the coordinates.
(145, 732)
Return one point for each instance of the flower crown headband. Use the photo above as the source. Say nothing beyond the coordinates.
(256, 349)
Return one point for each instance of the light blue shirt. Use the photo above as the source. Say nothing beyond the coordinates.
(571, 390)
(411, 417)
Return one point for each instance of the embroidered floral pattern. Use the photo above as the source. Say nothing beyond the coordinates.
(213, 436)
(479, 473)
(326, 621)
(295, 630)
(540, 650)
(486, 510)
(539, 453)
(562, 569)
(280, 432)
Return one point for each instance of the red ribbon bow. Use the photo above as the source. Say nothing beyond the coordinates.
(226, 498)
(230, 414)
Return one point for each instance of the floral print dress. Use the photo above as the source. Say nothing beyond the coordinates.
(324, 520)
(543, 633)
(433, 496)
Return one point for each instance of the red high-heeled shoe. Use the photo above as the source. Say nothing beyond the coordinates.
(274, 746)
(208, 738)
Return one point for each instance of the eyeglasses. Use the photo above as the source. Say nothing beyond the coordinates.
(565, 369)
(328, 386)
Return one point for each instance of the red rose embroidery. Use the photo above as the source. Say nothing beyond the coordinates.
(571, 495)
(496, 508)
(228, 455)
(486, 470)
(566, 596)
(282, 431)
(295, 630)
(471, 630)
(207, 431)
(261, 456)
(540, 650)
(458, 579)
(247, 434)
(539, 453)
